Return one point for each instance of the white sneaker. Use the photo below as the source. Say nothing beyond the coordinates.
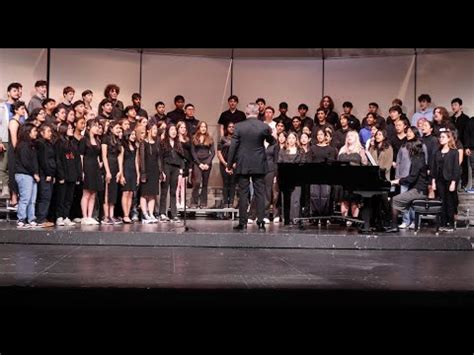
(60, 221)
(77, 220)
(403, 226)
(276, 220)
(85, 221)
(164, 218)
(93, 221)
(250, 221)
(411, 226)
(146, 219)
(68, 222)
(266, 220)
(33, 224)
(348, 223)
(22, 225)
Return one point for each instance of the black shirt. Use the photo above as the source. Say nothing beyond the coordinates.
(261, 116)
(46, 157)
(141, 112)
(460, 124)
(191, 125)
(286, 121)
(26, 159)
(231, 117)
(176, 115)
(323, 154)
(418, 176)
(117, 111)
(224, 145)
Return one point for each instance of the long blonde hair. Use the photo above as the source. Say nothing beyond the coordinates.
(355, 148)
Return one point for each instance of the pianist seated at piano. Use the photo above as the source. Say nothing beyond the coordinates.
(417, 182)
(353, 153)
(291, 196)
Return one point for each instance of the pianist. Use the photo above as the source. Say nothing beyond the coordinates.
(417, 182)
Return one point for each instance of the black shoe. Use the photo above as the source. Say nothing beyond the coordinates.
(261, 226)
(240, 227)
(392, 230)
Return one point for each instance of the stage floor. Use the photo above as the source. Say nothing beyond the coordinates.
(212, 268)
(218, 233)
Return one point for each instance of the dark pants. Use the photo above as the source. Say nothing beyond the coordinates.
(449, 202)
(259, 196)
(45, 191)
(465, 171)
(320, 200)
(228, 190)
(76, 211)
(64, 198)
(171, 182)
(200, 177)
(270, 198)
(291, 203)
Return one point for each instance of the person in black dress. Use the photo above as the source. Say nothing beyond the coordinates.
(112, 156)
(185, 141)
(150, 171)
(89, 148)
(131, 173)
(173, 166)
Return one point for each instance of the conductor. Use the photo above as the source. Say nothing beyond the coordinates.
(248, 151)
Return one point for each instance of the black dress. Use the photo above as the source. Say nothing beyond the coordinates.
(92, 176)
(113, 151)
(129, 169)
(149, 168)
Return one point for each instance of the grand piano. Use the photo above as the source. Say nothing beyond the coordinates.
(366, 181)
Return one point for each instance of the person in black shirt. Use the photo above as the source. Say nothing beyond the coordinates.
(305, 120)
(111, 93)
(68, 173)
(261, 108)
(373, 108)
(431, 142)
(399, 138)
(445, 174)
(327, 104)
(321, 122)
(353, 121)
(47, 172)
(178, 113)
(399, 103)
(26, 175)
(296, 125)
(68, 94)
(137, 100)
(283, 108)
(228, 180)
(160, 114)
(191, 121)
(131, 116)
(232, 115)
(173, 167)
(49, 106)
(106, 108)
(460, 119)
(340, 134)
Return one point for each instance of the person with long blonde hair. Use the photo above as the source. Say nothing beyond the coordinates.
(353, 153)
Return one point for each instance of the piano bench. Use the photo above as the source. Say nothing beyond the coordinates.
(428, 209)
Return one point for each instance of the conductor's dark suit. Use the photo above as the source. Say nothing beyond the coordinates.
(248, 150)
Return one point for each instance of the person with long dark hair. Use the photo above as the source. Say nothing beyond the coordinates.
(75, 212)
(417, 182)
(445, 175)
(441, 120)
(173, 167)
(67, 173)
(320, 195)
(188, 159)
(112, 157)
(228, 180)
(47, 171)
(150, 173)
(26, 175)
(131, 173)
(90, 150)
(280, 144)
(327, 104)
(203, 152)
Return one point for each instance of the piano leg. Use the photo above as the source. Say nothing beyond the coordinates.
(366, 213)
